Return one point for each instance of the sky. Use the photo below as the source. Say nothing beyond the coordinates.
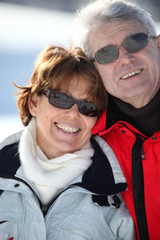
(27, 28)
(25, 31)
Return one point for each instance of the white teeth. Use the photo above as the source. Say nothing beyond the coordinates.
(131, 74)
(67, 128)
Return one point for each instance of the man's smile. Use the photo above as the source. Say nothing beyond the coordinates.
(131, 74)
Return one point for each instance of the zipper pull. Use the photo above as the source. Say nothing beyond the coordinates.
(142, 154)
(116, 201)
(44, 210)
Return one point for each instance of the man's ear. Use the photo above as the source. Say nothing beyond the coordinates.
(158, 41)
(32, 104)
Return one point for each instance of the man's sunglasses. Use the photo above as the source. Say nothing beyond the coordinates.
(132, 44)
(64, 101)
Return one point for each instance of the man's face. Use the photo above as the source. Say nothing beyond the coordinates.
(132, 77)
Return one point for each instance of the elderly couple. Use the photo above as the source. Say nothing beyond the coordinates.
(87, 164)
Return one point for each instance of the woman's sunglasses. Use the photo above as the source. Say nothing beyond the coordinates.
(132, 44)
(64, 101)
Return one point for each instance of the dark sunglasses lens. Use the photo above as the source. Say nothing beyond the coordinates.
(64, 101)
(136, 42)
(88, 109)
(60, 100)
(106, 54)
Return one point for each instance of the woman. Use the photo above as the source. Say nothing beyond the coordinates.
(55, 182)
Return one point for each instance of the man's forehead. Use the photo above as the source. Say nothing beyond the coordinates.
(112, 31)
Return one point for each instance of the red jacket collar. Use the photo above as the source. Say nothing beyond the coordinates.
(100, 127)
(101, 123)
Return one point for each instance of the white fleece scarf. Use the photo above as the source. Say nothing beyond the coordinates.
(50, 176)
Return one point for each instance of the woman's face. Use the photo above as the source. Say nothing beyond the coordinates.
(62, 131)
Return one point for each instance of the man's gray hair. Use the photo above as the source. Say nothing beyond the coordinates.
(99, 12)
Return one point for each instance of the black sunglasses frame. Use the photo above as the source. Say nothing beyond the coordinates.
(128, 44)
(65, 101)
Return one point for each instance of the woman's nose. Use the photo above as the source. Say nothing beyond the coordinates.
(73, 111)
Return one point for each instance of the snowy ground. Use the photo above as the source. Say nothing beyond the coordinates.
(9, 124)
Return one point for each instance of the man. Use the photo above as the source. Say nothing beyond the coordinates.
(120, 38)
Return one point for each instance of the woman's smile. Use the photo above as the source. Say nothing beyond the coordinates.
(66, 128)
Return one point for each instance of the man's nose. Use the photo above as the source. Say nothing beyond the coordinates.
(125, 57)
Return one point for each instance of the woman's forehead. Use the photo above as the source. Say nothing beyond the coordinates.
(77, 87)
(75, 81)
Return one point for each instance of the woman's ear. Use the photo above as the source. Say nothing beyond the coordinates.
(32, 104)
(158, 41)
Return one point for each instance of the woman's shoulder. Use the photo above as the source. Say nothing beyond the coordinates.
(111, 158)
(9, 157)
(11, 139)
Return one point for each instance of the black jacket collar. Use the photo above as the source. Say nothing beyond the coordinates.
(9, 160)
(98, 178)
(122, 111)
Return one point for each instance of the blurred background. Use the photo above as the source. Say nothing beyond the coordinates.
(26, 26)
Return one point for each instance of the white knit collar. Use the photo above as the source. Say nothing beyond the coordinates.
(55, 173)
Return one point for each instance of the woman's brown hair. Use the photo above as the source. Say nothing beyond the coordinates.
(54, 68)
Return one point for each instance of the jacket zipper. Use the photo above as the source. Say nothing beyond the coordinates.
(45, 208)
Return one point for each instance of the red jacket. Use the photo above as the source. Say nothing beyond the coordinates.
(139, 158)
